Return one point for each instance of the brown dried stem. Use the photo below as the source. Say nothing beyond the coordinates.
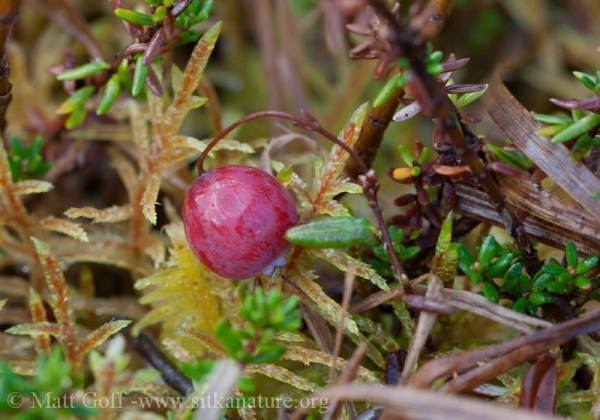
(8, 15)
(513, 353)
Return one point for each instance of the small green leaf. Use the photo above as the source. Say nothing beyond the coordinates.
(578, 114)
(83, 71)
(197, 370)
(16, 147)
(596, 195)
(511, 277)
(159, 14)
(445, 235)
(581, 147)
(470, 97)
(206, 8)
(435, 57)
(423, 156)
(571, 254)
(203, 13)
(552, 119)
(229, 340)
(488, 250)
(134, 17)
(410, 252)
(587, 264)
(582, 283)
(552, 130)
(564, 277)
(273, 298)
(490, 292)
(553, 267)
(76, 100)
(406, 155)
(111, 91)
(520, 305)
(396, 82)
(139, 76)
(403, 63)
(498, 268)
(246, 385)
(76, 118)
(576, 129)
(415, 171)
(587, 80)
(331, 232)
(464, 256)
(269, 353)
(514, 158)
(554, 287)
(123, 73)
(542, 281)
(435, 69)
(397, 235)
(537, 299)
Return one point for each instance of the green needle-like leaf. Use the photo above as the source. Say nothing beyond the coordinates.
(331, 232)
(576, 129)
(83, 71)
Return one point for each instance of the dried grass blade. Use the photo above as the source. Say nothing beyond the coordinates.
(518, 125)
(514, 352)
(424, 325)
(221, 383)
(551, 219)
(425, 405)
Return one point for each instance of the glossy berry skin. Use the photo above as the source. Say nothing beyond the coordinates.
(235, 219)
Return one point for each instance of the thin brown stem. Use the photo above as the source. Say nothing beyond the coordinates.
(306, 123)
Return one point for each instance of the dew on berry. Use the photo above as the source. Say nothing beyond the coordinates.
(235, 219)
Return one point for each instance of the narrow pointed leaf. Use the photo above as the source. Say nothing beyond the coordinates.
(83, 71)
(468, 98)
(134, 17)
(111, 91)
(331, 232)
(576, 129)
(552, 119)
(76, 100)
(140, 73)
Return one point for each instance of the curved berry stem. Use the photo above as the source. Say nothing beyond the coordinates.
(368, 181)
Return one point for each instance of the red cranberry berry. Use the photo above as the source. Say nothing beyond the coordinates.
(235, 219)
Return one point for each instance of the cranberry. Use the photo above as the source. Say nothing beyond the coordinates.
(235, 219)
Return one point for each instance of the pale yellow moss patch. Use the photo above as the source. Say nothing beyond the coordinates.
(184, 295)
